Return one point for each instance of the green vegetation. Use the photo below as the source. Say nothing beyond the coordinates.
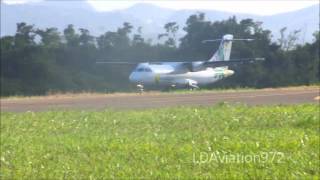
(276, 142)
(38, 61)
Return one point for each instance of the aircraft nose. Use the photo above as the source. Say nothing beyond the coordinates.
(132, 77)
(228, 72)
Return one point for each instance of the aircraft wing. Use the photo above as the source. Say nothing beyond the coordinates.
(116, 62)
(233, 61)
(201, 65)
(183, 67)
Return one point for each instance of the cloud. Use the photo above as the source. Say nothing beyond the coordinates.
(20, 1)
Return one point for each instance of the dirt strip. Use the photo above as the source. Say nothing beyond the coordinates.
(142, 101)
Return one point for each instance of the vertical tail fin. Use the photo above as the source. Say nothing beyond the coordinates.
(223, 53)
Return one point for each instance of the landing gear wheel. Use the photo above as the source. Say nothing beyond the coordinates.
(140, 88)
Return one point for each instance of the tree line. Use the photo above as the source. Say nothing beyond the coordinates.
(37, 61)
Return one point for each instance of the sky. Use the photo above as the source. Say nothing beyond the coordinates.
(264, 7)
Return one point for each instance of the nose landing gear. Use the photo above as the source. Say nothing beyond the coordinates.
(140, 88)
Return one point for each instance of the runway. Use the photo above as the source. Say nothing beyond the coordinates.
(157, 100)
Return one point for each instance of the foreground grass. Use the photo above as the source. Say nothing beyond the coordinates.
(229, 142)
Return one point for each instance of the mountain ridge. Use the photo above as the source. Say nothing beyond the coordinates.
(150, 17)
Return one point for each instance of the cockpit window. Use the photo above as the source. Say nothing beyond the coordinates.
(147, 69)
(141, 69)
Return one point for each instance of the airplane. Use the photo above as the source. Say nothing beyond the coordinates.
(191, 75)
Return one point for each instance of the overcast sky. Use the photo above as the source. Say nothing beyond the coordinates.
(249, 6)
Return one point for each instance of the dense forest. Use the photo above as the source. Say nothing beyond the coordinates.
(38, 61)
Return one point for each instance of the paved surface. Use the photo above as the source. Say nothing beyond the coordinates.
(142, 101)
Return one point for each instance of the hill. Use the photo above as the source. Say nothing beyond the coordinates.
(82, 14)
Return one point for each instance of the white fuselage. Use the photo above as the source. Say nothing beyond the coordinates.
(185, 74)
(198, 78)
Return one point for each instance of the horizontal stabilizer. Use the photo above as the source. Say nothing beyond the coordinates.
(243, 40)
(218, 40)
(211, 40)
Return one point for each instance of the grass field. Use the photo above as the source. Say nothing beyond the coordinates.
(222, 141)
